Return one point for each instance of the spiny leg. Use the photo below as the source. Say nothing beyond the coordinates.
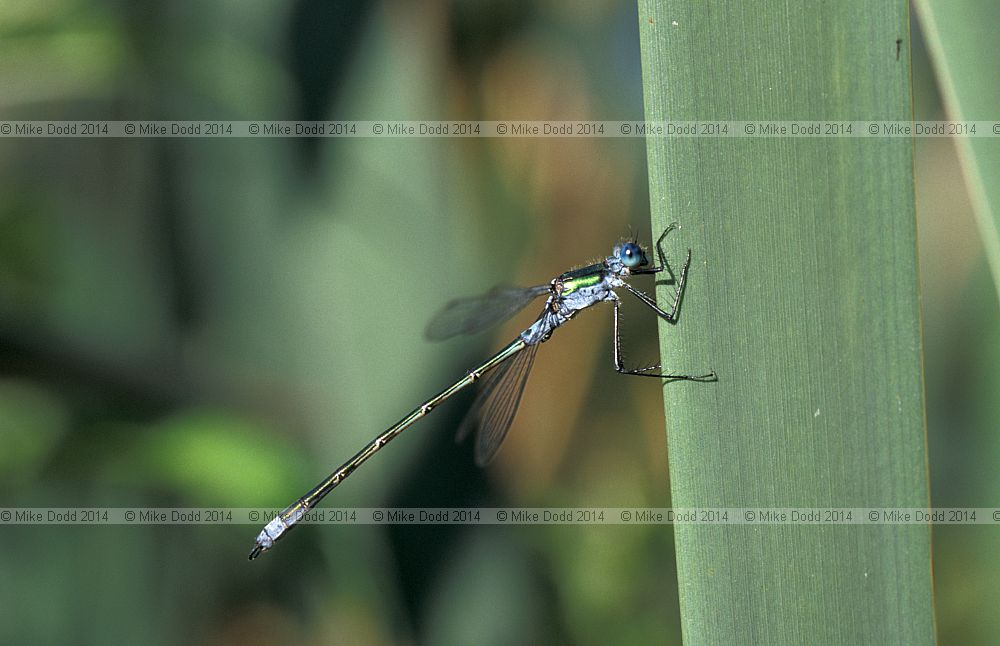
(665, 266)
(646, 372)
(659, 247)
(669, 317)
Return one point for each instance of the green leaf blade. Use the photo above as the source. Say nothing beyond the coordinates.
(803, 298)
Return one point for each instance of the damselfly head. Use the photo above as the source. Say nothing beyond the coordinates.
(631, 255)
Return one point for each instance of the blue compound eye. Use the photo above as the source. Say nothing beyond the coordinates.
(631, 255)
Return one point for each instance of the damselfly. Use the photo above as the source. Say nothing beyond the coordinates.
(506, 372)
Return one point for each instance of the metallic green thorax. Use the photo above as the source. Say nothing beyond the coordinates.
(579, 278)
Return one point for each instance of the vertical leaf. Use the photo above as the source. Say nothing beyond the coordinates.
(803, 298)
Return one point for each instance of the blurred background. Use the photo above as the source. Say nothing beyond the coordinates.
(221, 322)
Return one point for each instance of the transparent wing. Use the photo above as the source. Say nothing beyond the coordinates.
(496, 404)
(475, 314)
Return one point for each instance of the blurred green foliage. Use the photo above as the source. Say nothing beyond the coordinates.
(220, 322)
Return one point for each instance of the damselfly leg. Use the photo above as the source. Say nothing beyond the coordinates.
(670, 317)
(648, 371)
